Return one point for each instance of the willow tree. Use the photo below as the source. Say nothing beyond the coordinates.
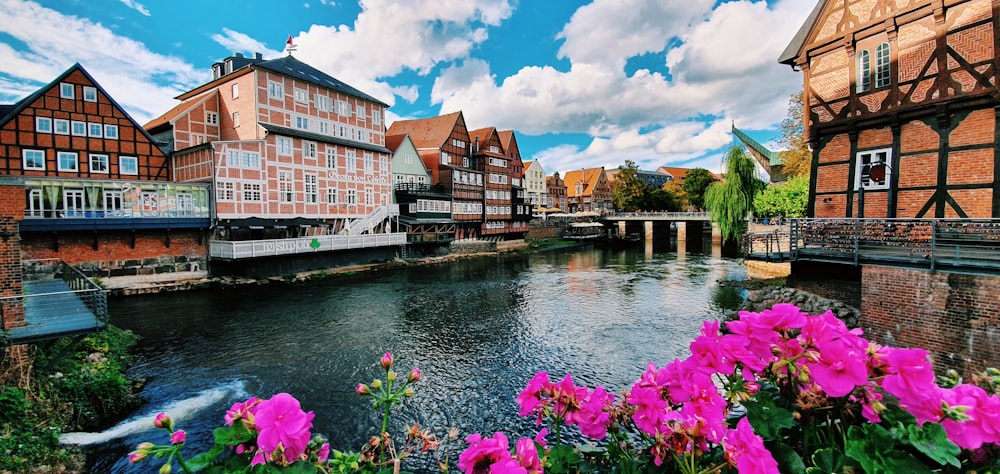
(731, 200)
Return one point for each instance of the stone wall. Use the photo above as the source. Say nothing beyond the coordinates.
(761, 299)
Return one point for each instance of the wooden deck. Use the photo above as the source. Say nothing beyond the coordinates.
(53, 308)
(963, 245)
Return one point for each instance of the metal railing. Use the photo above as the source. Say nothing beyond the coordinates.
(694, 216)
(968, 244)
(366, 223)
(34, 316)
(236, 250)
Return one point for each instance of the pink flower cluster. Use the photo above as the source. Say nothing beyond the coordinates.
(493, 455)
(571, 405)
(283, 429)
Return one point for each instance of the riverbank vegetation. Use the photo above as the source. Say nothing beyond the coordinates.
(49, 389)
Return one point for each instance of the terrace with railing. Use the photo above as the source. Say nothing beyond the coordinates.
(57, 300)
(967, 245)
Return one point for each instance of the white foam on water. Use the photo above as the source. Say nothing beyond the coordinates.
(178, 410)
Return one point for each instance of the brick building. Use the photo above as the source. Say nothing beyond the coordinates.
(588, 190)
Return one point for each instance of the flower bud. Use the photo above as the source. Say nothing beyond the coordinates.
(178, 437)
(414, 375)
(136, 456)
(376, 384)
(391, 376)
(386, 361)
(166, 469)
(163, 421)
(362, 389)
(408, 392)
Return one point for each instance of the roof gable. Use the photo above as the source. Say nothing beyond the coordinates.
(794, 48)
(589, 177)
(429, 133)
(179, 110)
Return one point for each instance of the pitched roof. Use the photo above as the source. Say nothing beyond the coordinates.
(392, 142)
(483, 135)
(506, 138)
(587, 176)
(432, 132)
(792, 50)
(175, 112)
(773, 157)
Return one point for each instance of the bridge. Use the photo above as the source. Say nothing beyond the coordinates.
(679, 220)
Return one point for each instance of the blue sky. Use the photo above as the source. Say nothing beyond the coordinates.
(583, 83)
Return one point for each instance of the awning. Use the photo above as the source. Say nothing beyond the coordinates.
(252, 223)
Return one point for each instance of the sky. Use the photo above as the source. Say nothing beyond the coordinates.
(582, 83)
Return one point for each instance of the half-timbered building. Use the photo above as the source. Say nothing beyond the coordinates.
(588, 190)
(518, 174)
(424, 208)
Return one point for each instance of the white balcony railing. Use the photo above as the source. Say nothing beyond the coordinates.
(230, 250)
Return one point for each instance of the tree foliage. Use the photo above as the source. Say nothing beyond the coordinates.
(788, 199)
(731, 200)
(796, 156)
(676, 192)
(629, 190)
(696, 182)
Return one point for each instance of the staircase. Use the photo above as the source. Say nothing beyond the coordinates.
(366, 224)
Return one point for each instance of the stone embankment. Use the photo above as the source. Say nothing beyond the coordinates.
(764, 298)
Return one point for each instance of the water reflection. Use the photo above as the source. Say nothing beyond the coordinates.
(478, 329)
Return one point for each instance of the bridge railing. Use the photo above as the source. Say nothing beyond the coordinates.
(659, 215)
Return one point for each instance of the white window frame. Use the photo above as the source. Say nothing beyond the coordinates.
(881, 155)
(352, 196)
(445, 159)
(310, 186)
(236, 91)
(359, 110)
(351, 160)
(286, 188)
(301, 122)
(89, 94)
(113, 200)
(67, 154)
(376, 117)
(309, 149)
(883, 66)
(60, 126)
(226, 191)
(284, 145)
(236, 119)
(275, 90)
(34, 154)
(331, 157)
(323, 103)
(369, 163)
(110, 131)
(95, 130)
(212, 118)
(78, 128)
(864, 66)
(331, 196)
(102, 161)
(43, 124)
(128, 165)
(67, 90)
(74, 202)
(300, 95)
(253, 192)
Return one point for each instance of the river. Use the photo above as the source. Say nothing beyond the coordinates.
(478, 329)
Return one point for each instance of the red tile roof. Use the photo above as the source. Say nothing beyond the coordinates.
(426, 133)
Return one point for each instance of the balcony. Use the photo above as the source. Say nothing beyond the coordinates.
(965, 245)
(241, 250)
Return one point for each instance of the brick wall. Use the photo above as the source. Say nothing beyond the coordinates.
(11, 211)
(829, 280)
(955, 316)
(116, 257)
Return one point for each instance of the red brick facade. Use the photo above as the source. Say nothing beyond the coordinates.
(11, 210)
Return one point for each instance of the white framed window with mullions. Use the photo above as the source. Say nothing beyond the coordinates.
(873, 169)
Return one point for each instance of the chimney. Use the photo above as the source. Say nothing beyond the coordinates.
(258, 56)
(477, 143)
(217, 70)
(238, 55)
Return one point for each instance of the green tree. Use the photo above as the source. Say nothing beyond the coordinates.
(696, 182)
(662, 200)
(731, 200)
(629, 192)
(788, 199)
(796, 156)
(674, 189)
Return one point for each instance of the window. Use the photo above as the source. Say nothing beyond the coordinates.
(236, 119)
(67, 161)
(250, 161)
(383, 165)
(301, 123)
(343, 108)
(343, 131)
(128, 165)
(360, 111)
(61, 126)
(369, 196)
(113, 203)
(34, 159)
(252, 192)
(66, 91)
(73, 202)
(309, 149)
(873, 169)
(285, 191)
(36, 204)
(352, 196)
(331, 196)
(331, 157)
(111, 132)
(212, 118)
(351, 160)
(226, 191)
(275, 90)
(444, 159)
(236, 91)
(90, 94)
(43, 125)
(311, 188)
(284, 146)
(883, 69)
(864, 71)
(185, 204)
(148, 203)
(95, 130)
(324, 127)
(376, 117)
(323, 103)
(408, 158)
(369, 163)
(301, 95)
(98, 163)
(79, 129)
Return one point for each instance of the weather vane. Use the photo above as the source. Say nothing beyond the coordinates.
(289, 45)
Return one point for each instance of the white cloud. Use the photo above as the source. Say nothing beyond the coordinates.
(136, 6)
(241, 43)
(142, 81)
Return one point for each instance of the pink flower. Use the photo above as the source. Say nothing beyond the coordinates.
(324, 453)
(530, 398)
(284, 427)
(163, 421)
(592, 418)
(178, 437)
(386, 361)
(242, 411)
(362, 389)
(527, 456)
(483, 453)
(982, 417)
(841, 367)
(414, 375)
(746, 451)
(911, 379)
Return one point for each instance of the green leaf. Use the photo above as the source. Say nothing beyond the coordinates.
(766, 418)
(826, 461)
(205, 459)
(232, 435)
(562, 459)
(789, 462)
(931, 440)
(301, 467)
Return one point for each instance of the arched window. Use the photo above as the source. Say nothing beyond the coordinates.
(864, 71)
(883, 70)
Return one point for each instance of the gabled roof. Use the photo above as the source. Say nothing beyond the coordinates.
(291, 67)
(426, 133)
(392, 142)
(13, 110)
(773, 157)
(484, 135)
(177, 111)
(588, 176)
(506, 138)
(795, 46)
